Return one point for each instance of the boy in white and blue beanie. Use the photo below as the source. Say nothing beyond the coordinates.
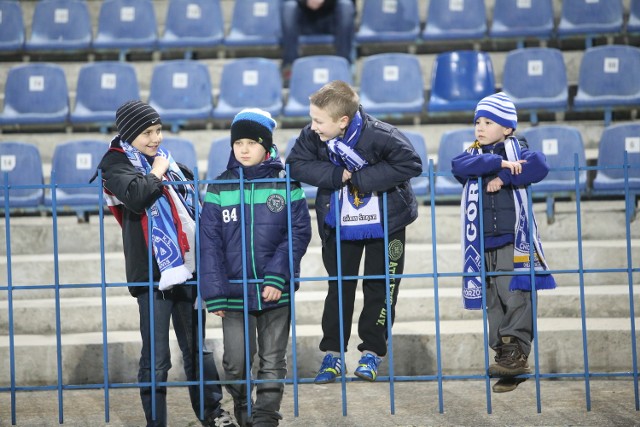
(499, 108)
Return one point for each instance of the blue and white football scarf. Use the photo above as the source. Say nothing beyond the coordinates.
(472, 258)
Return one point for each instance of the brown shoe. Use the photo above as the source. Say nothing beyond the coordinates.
(507, 384)
(512, 360)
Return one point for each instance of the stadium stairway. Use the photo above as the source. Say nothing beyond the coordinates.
(606, 296)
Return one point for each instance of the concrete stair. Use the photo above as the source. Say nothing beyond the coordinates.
(82, 304)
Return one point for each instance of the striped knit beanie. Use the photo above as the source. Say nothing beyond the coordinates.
(499, 108)
(255, 124)
(133, 117)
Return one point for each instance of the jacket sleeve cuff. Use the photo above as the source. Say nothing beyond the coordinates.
(505, 176)
(216, 304)
(275, 281)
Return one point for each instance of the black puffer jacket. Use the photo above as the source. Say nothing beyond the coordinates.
(392, 163)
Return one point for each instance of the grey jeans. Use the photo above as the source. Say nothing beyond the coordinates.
(509, 312)
(270, 331)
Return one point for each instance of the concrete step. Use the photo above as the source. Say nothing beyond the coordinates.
(414, 343)
(563, 256)
(35, 235)
(84, 314)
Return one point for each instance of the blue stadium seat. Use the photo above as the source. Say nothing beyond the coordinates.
(420, 184)
(384, 21)
(181, 92)
(460, 79)
(124, 25)
(608, 78)
(615, 140)
(452, 143)
(588, 18)
(536, 80)
(310, 73)
(520, 20)
(60, 25)
(12, 29)
(633, 24)
(255, 23)
(391, 84)
(560, 144)
(310, 191)
(72, 167)
(218, 157)
(22, 165)
(455, 20)
(249, 83)
(35, 93)
(192, 24)
(102, 87)
(182, 150)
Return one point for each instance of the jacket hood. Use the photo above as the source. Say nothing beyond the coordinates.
(262, 170)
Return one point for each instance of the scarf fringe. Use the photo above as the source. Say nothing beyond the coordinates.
(362, 232)
(173, 276)
(523, 283)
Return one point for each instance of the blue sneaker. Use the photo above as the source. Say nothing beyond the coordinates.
(330, 369)
(368, 367)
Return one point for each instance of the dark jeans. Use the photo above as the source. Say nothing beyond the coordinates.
(297, 21)
(372, 325)
(168, 306)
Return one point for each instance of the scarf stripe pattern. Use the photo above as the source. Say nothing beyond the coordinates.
(472, 258)
(172, 220)
(359, 212)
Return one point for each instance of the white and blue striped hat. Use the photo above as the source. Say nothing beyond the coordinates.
(499, 108)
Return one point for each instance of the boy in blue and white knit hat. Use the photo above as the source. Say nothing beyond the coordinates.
(263, 285)
(507, 168)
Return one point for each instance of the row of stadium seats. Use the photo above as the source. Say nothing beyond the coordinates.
(65, 25)
(391, 85)
(74, 163)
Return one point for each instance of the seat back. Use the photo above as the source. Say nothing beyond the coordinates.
(607, 72)
(124, 24)
(35, 93)
(420, 184)
(310, 73)
(615, 140)
(60, 25)
(249, 83)
(255, 22)
(193, 23)
(12, 31)
(452, 143)
(590, 17)
(455, 19)
(181, 90)
(182, 150)
(22, 165)
(512, 18)
(633, 23)
(74, 163)
(536, 78)
(389, 21)
(218, 157)
(460, 79)
(391, 83)
(560, 144)
(102, 87)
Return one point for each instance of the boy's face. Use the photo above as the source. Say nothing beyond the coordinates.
(248, 152)
(149, 140)
(324, 125)
(489, 132)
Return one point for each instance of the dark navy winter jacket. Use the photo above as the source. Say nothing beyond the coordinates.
(392, 162)
(265, 234)
(498, 208)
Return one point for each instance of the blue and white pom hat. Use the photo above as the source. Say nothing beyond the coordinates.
(255, 124)
(499, 108)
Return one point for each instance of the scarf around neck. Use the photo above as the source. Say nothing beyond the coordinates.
(172, 219)
(359, 212)
(472, 258)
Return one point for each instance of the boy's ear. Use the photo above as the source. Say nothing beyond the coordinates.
(344, 121)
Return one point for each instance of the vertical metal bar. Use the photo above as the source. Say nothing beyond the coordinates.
(56, 272)
(199, 305)
(292, 292)
(387, 285)
(628, 204)
(483, 281)
(152, 322)
(12, 360)
(103, 294)
(343, 379)
(436, 300)
(585, 353)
